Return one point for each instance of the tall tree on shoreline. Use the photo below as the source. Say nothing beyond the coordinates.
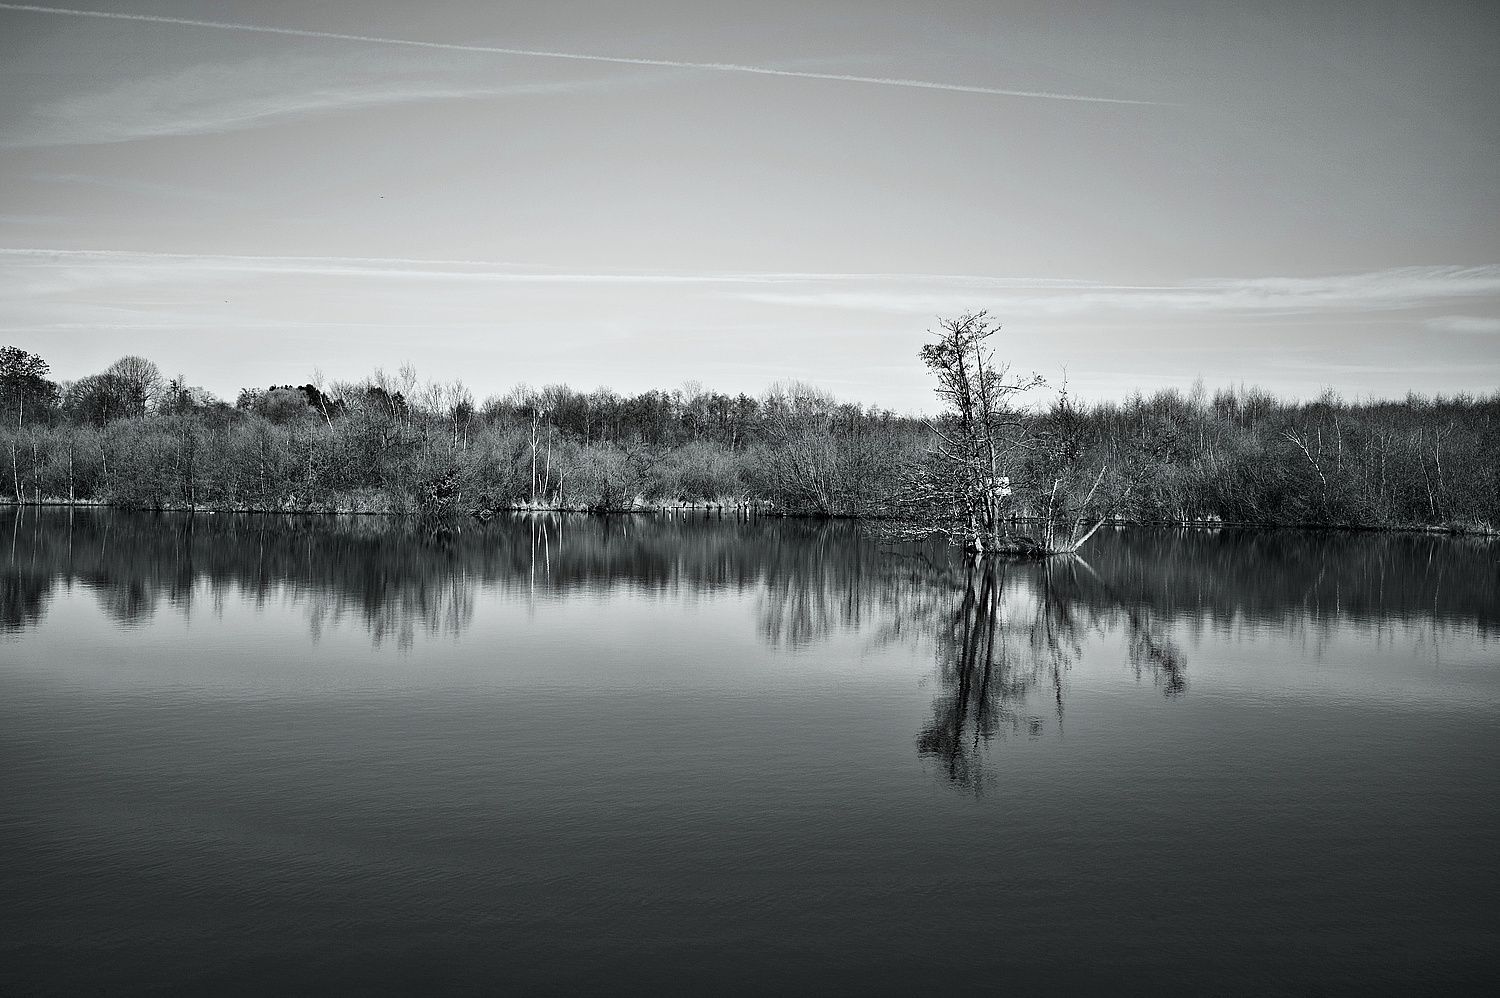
(986, 437)
(981, 434)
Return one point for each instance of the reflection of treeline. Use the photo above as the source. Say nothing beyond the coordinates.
(1191, 577)
(812, 576)
(1225, 576)
(1004, 635)
(393, 574)
(129, 437)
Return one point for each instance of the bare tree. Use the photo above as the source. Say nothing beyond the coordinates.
(987, 437)
(981, 433)
(139, 383)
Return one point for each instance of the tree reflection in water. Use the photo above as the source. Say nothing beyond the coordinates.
(1004, 636)
(400, 580)
(975, 672)
(1004, 644)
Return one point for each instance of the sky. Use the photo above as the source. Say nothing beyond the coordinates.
(1297, 195)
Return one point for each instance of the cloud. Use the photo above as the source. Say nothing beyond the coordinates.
(1403, 288)
(218, 98)
(228, 315)
(1472, 325)
(45, 272)
(725, 67)
(49, 271)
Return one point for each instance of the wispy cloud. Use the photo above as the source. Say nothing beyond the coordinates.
(208, 99)
(230, 315)
(103, 267)
(43, 271)
(725, 67)
(1470, 325)
(1403, 288)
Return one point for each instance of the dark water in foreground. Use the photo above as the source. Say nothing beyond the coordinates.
(266, 755)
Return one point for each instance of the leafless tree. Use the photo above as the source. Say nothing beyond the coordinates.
(981, 433)
(139, 383)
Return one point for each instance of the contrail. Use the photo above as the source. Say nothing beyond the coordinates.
(724, 67)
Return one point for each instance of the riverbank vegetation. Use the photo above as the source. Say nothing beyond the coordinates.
(1003, 449)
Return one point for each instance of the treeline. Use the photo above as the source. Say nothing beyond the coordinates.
(1244, 456)
(130, 437)
(999, 458)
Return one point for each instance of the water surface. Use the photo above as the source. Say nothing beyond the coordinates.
(245, 754)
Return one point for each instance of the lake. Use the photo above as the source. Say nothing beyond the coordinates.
(262, 754)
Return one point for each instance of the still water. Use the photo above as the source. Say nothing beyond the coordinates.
(635, 754)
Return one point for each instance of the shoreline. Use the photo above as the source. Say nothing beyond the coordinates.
(749, 508)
